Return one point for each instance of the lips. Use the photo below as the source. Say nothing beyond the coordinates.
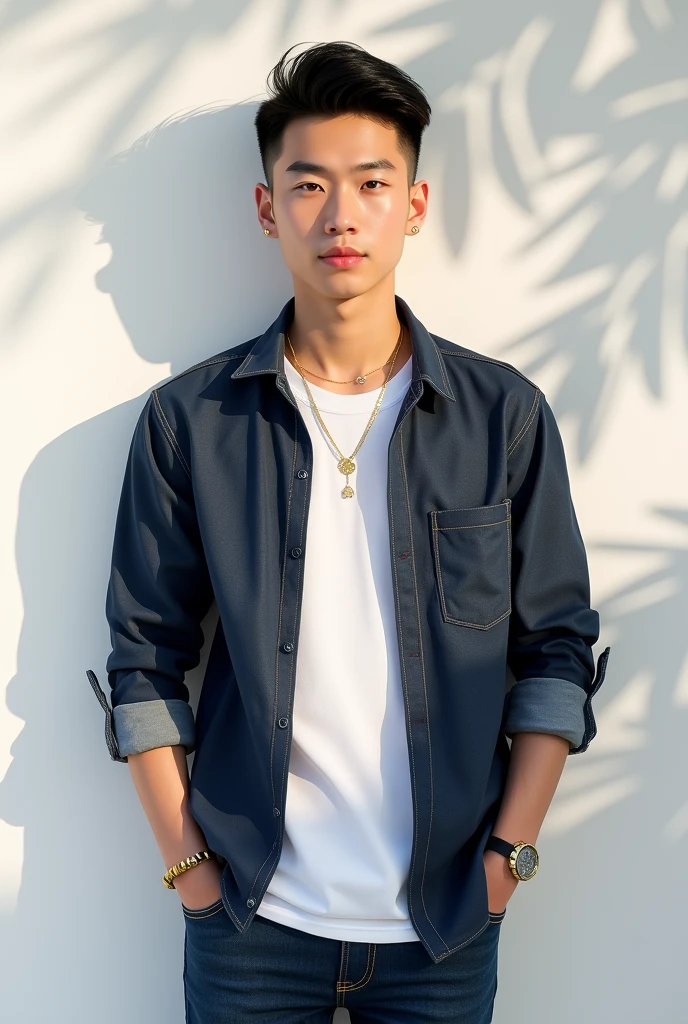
(342, 256)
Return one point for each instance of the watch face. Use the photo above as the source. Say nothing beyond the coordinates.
(527, 861)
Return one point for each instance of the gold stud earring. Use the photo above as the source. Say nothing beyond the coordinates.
(415, 229)
(266, 231)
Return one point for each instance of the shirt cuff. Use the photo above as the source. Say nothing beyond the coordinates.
(145, 724)
(546, 705)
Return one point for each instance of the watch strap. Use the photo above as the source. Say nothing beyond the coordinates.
(499, 846)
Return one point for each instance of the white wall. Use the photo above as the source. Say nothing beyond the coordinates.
(557, 240)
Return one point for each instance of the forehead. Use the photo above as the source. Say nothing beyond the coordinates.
(339, 143)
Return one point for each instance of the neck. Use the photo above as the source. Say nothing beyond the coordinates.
(345, 338)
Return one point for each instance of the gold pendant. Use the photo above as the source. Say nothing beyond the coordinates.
(360, 380)
(347, 492)
(346, 466)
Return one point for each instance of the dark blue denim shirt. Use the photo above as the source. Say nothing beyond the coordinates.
(490, 586)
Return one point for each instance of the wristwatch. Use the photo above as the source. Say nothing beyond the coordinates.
(523, 857)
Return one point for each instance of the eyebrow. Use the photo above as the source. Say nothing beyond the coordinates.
(305, 167)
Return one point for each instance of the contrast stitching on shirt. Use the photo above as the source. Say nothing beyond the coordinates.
(425, 692)
(292, 668)
(529, 419)
(199, 366)
(477, 508)
(274, 707)
(255, 373)
(473, 526)
(247, 360)
(351, 986)
(438, 565)
(408, 709)
(436, 552)
(512, 369)
(443, 370)
(167, 429)
(233, 916)
(487, 359)
(465, 942)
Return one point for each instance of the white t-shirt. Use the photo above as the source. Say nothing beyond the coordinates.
(349, 816)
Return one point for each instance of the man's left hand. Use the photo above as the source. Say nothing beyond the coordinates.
(500, 882)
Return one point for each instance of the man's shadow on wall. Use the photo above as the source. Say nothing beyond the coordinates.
(190, 274)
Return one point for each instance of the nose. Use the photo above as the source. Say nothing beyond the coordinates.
(340, 213)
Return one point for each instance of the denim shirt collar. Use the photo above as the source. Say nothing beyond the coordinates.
(267, 354)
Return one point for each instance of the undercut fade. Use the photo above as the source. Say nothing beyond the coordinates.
(332, 79)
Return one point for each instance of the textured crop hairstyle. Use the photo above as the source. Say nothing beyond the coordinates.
(330, 79)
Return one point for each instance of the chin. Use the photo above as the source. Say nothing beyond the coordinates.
(346, 286)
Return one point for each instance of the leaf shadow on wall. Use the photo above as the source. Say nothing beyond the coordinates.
(577, 111)
(98, 45)
(191, 274)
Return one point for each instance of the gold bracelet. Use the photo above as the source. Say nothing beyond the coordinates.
(191, 862)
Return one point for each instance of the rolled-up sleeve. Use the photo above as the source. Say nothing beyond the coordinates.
(158, 593)
(552, 626)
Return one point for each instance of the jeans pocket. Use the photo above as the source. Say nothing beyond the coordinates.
(472, 556)
(198, 913)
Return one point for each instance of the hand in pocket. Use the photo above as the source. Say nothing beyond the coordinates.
(200, 886)
(500, 882)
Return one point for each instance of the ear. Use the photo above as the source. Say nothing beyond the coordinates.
(264, 209)
(418, 206)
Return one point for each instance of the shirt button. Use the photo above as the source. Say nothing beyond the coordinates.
(250, 903)
(296, 552)
(302, 474)
(276, 811)
(283, 723)
(288, 647)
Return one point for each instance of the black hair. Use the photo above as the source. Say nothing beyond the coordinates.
(330, 79)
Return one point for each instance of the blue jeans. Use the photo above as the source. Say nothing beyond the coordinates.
(278, 975)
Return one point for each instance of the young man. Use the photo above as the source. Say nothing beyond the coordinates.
(384, 520)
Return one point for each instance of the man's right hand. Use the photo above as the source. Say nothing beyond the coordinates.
(161, 778)
(200, 886)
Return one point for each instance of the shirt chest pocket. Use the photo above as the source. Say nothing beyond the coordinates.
(472, 556)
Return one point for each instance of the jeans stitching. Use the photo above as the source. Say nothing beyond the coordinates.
(351, 986)
(425, 694)
(213, 909)
(184, 981)
(340, 986)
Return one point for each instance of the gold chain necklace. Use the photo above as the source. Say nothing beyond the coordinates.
(346, 465)
(361, 379)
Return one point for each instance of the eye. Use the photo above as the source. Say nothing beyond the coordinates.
(308, 186)
(375, 182)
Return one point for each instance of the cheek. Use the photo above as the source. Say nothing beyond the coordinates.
(388, 218)
(299, 215)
